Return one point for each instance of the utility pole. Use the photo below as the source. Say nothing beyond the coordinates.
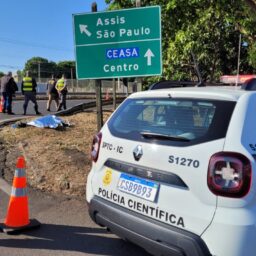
(238, 59)
(39, 72)
(98, 90)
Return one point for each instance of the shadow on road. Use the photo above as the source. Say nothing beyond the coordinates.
(70, 238)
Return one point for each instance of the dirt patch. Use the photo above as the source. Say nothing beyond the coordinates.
(57, 161)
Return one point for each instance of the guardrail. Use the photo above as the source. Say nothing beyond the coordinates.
(83, 106)
(71, 95)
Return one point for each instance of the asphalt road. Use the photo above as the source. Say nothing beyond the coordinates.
(66, 230)
(18, 108)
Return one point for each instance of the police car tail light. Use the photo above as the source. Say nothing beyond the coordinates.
(229, 174)
(96, 146)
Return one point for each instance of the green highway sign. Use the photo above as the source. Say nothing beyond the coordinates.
(123, 43)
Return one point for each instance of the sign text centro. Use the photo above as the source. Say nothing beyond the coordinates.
(124, 43)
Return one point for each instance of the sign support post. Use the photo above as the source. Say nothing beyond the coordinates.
(98, 90)
(114, 93)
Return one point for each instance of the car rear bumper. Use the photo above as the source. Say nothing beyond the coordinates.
(155, 237)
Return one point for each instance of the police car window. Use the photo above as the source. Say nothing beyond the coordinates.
(191, 119)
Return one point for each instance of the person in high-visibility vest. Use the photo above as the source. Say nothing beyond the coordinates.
(28, 89)
(61, 87)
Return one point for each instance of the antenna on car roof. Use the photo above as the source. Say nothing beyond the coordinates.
(201, 82)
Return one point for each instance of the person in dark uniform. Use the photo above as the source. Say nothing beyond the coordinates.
(61, 87)
(28, 89)
(8, 89)
(52, 93)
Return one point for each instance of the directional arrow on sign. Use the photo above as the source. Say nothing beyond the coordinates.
(83, 29)
(149, 54)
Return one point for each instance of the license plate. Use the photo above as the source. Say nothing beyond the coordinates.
(138, 187)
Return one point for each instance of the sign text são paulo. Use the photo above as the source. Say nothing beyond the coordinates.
(122, 43)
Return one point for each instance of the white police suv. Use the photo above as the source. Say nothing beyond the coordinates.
(174, 172)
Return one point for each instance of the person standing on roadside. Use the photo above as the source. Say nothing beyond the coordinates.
(8, 89)
(52, 93)
(28, 89)
(61, 87)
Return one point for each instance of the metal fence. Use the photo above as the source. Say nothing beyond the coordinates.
(86, 86)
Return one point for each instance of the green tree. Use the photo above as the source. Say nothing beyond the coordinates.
(1, 74)
(68, 68)
(247, 24)
(208, 28)
(40, 67)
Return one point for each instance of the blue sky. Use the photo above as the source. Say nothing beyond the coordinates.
(43, 28)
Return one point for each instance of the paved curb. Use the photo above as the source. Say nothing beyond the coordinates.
(5, 186)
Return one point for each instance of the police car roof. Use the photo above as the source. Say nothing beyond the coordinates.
(231, 93)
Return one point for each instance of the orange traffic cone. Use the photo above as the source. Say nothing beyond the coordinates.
(1, 104)
(17, 218)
